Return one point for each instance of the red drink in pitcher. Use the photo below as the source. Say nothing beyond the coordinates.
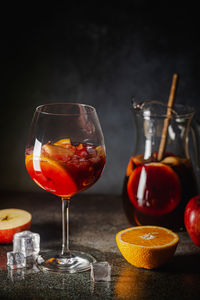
(155, 189)
(160, 178)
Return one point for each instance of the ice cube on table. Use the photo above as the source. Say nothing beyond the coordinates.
(16, 260)
(16, 275)
(26, 242)
(100, 271)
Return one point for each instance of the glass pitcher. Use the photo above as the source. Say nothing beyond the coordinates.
(160, 180)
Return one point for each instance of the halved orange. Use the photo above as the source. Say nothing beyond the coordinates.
(147, 247)
(50, 175)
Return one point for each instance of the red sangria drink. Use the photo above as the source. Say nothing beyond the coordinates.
(159, 178)
(63, 168)
(156, 190)
(65, 154)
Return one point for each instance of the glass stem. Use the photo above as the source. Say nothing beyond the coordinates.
(65, 226)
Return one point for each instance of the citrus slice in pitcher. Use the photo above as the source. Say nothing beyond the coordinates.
(154, 189)
(50, 175)
(147, 247)
(133, 163)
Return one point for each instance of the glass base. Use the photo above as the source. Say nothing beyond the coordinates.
(77, 261)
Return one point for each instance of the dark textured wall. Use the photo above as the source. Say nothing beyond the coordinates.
(97, 54)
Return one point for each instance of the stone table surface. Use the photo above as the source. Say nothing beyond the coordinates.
(94, 222)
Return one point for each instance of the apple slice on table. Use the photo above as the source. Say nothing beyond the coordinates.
(13, 220)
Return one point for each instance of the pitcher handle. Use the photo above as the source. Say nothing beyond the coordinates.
(196, 142)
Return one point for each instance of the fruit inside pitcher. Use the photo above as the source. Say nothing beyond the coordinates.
(158, 188)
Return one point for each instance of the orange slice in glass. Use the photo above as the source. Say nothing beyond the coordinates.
(100, 151)
(147, 247)
(63, 142)
(50, 175)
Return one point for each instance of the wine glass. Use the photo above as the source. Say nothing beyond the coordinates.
(65, 154)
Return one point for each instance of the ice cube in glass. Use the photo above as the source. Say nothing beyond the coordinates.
(26, 242)
(16, 260)
(101, 271)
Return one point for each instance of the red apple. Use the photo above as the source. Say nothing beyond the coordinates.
(13, 220)
(192, 219)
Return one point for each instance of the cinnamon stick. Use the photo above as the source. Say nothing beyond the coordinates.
(167, 119)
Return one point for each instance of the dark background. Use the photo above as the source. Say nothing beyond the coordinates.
(99, 54)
